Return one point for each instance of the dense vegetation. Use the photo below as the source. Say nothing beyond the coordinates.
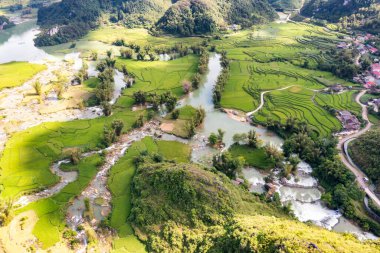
(72, 18)
(333, 10)
(188, 17)
(187, 208)
(365, 151)
(342, 191)
(360, 14)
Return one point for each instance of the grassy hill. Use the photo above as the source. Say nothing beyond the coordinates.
(186, 208)
(188, 17)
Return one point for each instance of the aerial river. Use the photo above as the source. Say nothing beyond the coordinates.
(16, 44)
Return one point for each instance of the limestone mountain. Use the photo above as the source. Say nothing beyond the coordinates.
(74, 18)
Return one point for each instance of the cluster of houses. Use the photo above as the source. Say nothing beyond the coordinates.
(369, 79)
(349, 121)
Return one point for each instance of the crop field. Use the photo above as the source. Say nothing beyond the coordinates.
(343, 101)
(119, 183)
(28, 154)
(17, 73)
(158, 76)
(276, 56)
(253, 157)
(186, 115)
(52, 211)
(139, 36)
(297, 102)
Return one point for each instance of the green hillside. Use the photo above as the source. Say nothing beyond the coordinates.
(188, 17)
(185, 17)
(186, 208)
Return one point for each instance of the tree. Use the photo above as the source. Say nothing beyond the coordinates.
(240, 138)
(118, 126)
(175, 114)
(109, 53)
(225, 163)
(109, 136)
(213, 139)
(275, 154)
(75, 156)
(140, 97)
(37, 86)
(220, 135)
(252, 139)
(139, 122)
(107, 108)
(196, 80)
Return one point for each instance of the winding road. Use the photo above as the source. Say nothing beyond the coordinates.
(342, 144)
(343, 152)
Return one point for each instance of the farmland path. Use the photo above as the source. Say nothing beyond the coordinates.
(265, 92)
(262, 100)
(345, 157)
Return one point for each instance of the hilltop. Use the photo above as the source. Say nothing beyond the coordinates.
(69, 19)
(184, 207)
(359, 14)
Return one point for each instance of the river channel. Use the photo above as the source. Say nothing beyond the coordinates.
(16, 44)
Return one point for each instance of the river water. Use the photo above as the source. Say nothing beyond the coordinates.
(16, 44)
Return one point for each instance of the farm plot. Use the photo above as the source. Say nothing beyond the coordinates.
(297, 102)
(51, 211)
(120, 181)
(28, 154)
(248, 79)
(275, 56)
(158, 76)
(140, 36)
(16, 73)
(342, 101)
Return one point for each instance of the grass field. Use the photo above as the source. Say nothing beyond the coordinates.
(120, 181)
(52, 211)
(297, 102)
(16, 73)
(253, 157)
(28, 154)
(186, 115)
(140, 36)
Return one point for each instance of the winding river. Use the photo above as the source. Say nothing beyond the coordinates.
(16, 44)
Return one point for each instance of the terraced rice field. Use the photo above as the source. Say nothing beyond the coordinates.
(158, 76)
(297, 102)
(343, 101)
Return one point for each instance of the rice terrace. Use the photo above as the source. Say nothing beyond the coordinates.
(189, 126)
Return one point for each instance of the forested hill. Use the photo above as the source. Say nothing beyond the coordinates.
(361, 14)
(188, 17)
(72, 19)
(186, 208)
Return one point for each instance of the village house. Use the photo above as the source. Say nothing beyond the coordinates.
(369, 82)
(375, 70)
(349, 121)
(336, 88)
(343, 45)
